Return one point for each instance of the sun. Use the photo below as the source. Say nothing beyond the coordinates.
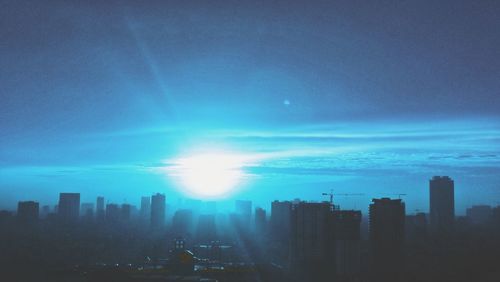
(211, 175)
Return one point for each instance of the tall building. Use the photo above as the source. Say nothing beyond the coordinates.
(182, 223)
(442, 205)
(387, 226)
(260, 222)
(312, 240)
(27, 211)
(100, 213)
(158, 211)
(126, 212)
(280, 220)
(347, 233)
(113, 214)
(206, 230)
(69, 206)
(145, 208)
(244, 211)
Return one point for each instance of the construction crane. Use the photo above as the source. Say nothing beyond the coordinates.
(397, 194)
(401, 194)
(339, 194)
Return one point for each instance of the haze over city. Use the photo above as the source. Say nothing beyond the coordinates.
(230, 141)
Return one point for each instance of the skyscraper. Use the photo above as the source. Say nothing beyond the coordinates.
(182, 223)
(113, 214)
(442, 205)
(157, 211)
(27, 211)
(260, 221)
(280, 220)
(312, 240)
(125, 212)
(69, 206)
(387, 225)
(347, 229)
(244, 211)
(145, 208)
(206, 230)
(100, 208)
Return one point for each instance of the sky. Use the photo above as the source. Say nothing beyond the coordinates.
(371, 97)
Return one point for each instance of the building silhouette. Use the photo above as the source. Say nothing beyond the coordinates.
(87, 210)
(125, 212)
(442, 205)
(69, 206)
(416, 227)
(182, 223)
(158, 211)
(45, 211)
(244, 212)
(100, 213)
(113, 213)
(386, 234)
(312, 241)
(27, 211)
(260, 222)
(145, 208)
(347, 233)
(479, 215)
(206, 229)
(280, 220)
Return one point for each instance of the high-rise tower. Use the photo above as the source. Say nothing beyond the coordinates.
(442, 204)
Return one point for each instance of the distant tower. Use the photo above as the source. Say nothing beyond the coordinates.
(157, 211)
(100, 208)
(182, 223)
(387, 226)
(87, 210)
(244, 211)
(69, 206)
(206, 229)
(260, 222)
(145, 208)
(442, 205)
(126, 212)
(27, 211)
(113, 213)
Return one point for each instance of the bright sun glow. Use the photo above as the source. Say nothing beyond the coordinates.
(210, 175)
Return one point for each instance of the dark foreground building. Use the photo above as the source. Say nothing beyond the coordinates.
(442, 205)
(387, 225)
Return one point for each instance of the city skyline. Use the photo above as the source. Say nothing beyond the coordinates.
(228, 140)
(113, 98)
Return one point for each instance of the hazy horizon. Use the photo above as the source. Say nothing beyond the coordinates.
(106, 98)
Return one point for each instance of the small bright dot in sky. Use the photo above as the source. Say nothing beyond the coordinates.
(286, 102)
(211, 175)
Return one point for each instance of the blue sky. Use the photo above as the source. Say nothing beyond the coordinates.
(354, 96)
